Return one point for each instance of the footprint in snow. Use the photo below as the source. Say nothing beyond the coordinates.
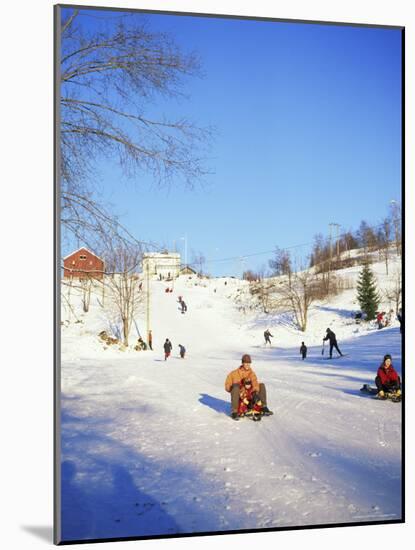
(314, 454)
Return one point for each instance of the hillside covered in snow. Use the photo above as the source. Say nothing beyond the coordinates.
(148, 447)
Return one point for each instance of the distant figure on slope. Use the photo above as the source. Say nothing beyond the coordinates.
(141, 344)
(167, 348)
(182, 351)
(387, 379)
(150, 340)
(232, 386)
(333, 342)
(399, 317)
(249, 401)
(267, 336)
(303, 350)
(184, 306)
(379, 319)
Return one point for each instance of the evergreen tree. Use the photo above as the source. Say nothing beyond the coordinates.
(367, 293)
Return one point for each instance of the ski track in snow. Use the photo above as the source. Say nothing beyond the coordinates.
(148, 447)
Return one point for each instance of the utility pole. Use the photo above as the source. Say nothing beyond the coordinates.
(148, 299)
(395, 216)
(185, 249)
(242, 260)
(336, 225)
(330, 257)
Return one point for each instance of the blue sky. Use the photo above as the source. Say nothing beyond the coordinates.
(308, 132)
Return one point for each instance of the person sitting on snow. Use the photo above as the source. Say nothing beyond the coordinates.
(249, 401)
(387, 379)
(232, 386)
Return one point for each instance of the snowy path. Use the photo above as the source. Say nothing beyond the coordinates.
(148, 446)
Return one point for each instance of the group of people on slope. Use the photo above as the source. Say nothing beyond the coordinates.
(249, 396)
(168, 347)
(330, 335)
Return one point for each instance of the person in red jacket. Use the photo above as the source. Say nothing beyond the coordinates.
(249, 401)
(387, 379)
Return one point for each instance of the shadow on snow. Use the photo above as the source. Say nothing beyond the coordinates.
(218, 405)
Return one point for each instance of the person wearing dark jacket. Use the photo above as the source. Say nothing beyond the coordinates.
(167, 348)
(387, 379)
(333, 342)
(182, 351)
(303, 350)
(267, 336)
(399, 317)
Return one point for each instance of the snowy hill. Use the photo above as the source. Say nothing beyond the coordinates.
(148, 447)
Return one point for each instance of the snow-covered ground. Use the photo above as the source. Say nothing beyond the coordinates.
(148, 447)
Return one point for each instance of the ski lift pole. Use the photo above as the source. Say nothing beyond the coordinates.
(148, 301)
(136, 328)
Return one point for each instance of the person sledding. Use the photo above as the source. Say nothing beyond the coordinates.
(233, 382)
(249, 401)
(330, 335)
(387, 380)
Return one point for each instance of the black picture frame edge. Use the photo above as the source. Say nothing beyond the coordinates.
(227, 16)
(57, 271)
(56, 278)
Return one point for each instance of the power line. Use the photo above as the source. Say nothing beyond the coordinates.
(327, 240)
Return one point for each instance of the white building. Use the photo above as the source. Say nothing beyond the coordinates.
(162, 264)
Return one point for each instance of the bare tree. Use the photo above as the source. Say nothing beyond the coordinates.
(384, 238)
(198, 260)
(396, 214)
(298, 293)
(281, 263)
(86, 286)
(250, 276)
(110, 73)
(394, 294)
(124, 283)
(367, 237)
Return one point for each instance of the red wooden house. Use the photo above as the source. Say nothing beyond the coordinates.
(83, 264)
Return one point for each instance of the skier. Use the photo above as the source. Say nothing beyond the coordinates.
(387, 379)
(267, 336)
(333, 342)
(249, 401)
(150, 340)
(167, 348)
(182, 351)
(232, 386)
(303, 350)
(184, 306)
